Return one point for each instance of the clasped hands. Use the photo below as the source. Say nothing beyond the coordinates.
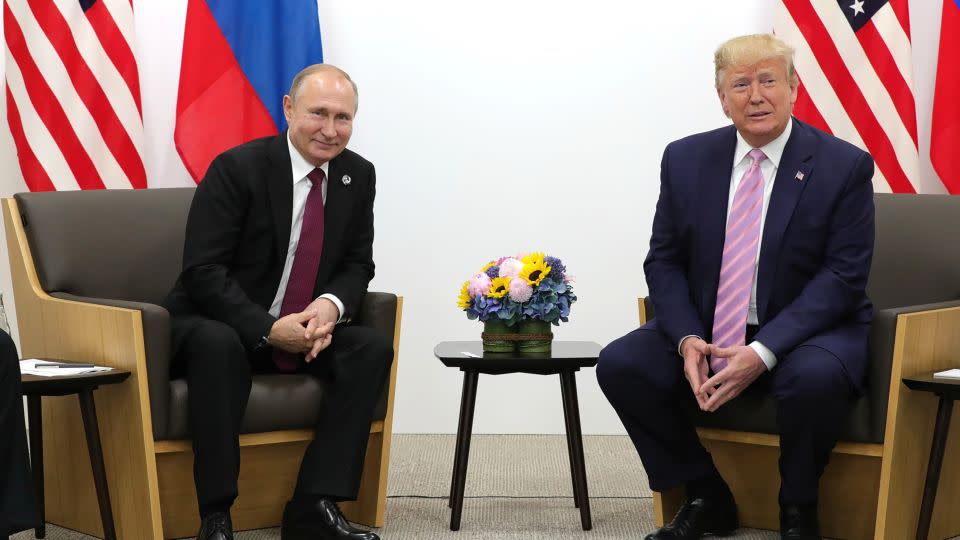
(743, 367)
(307, 332)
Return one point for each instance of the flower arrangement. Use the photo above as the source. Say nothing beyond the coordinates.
(516, 289)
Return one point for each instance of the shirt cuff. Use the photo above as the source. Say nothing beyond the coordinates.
(766, 354)
(336, 301)
(680, 346)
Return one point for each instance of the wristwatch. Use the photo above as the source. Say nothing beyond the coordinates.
(263, 343)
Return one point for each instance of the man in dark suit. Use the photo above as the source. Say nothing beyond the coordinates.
(16, 491)
(277, 258)
(758, 262)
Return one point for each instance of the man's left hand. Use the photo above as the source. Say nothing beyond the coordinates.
(320, 327)
(743, 367)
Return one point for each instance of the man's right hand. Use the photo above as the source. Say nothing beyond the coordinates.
(695, 366)
(288, 333)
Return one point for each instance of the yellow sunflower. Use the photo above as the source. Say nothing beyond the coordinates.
(499, 287)
(534, 272)
(533, 257)
(463, 302)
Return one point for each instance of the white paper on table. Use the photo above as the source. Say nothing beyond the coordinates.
(29, 367)
(948, 374)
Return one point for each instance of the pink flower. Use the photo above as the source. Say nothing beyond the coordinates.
(520, 290)
(510, 268)
(479, 285)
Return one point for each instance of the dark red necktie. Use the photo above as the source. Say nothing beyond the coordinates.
(303, 273)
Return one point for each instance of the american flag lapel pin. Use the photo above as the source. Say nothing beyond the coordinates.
(799, 176)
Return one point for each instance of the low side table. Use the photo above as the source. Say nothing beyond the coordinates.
(948, 390)
(566, 358)
(35, 387)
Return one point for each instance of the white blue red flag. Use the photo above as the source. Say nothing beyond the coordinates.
(239, 57)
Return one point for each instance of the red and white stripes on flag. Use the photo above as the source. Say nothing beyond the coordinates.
(73, 93)
(856, 80)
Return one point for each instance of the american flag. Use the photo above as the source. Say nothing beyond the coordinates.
(853, 58)
(73, 93)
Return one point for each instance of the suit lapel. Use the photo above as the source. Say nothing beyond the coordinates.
(280, 192)
(793, 175)
(714, 192)
(337, 208)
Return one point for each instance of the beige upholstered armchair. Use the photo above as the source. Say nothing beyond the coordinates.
(89, 272)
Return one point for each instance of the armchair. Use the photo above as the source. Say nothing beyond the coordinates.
(873, 484)
(90, 269)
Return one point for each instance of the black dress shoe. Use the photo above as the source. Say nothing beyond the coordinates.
(701, 516)
(799, 522)
(216, 526)
(321, 520)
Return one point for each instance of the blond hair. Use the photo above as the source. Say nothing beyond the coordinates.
(750, 50)
(319, 68)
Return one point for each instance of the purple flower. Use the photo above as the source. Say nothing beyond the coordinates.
(493, 272)
(556, 267)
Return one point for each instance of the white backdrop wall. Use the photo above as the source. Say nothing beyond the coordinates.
(500, 127)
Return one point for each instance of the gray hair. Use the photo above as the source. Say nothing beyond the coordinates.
(320, 68)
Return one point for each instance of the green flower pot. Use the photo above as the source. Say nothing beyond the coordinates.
(538, 344)
(491, 329)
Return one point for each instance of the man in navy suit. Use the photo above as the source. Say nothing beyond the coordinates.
(758, 263)
(17, 510)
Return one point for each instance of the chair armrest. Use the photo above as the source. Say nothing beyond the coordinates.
(379, 311)
(883, 332)
(156, 347)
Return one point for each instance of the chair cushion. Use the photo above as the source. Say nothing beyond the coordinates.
(913, 262)
(277, 402)
(116, 244)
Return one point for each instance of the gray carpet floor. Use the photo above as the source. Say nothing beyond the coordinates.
(518, 486)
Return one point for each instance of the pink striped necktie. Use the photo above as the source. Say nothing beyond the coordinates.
(739, 255)
(306, 262)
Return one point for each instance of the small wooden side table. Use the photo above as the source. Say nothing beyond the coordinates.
(35, 387)
(565, 359)
(948, 390)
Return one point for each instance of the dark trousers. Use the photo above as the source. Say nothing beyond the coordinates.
(642, 376)
(218, 371)
(17, 510)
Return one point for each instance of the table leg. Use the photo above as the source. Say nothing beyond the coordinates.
(456, 455)
(568, 383)
(566, 424)
(35, 417)
(89, 413)
(937, 447)
(467, 403)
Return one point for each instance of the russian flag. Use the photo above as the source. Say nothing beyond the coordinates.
(945, 130)
(239, 57)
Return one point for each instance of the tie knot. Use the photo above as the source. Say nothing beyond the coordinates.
(756, 155)
(316, 176)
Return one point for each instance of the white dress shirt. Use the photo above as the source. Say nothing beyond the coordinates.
(301, 188)
(768, 168)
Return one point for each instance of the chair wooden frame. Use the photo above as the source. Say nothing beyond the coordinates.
(867, 490)
(151, 482)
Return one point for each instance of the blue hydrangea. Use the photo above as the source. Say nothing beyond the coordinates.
(493, 272)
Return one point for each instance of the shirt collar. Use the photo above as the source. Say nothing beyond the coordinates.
(773, 150)
(300, 166)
